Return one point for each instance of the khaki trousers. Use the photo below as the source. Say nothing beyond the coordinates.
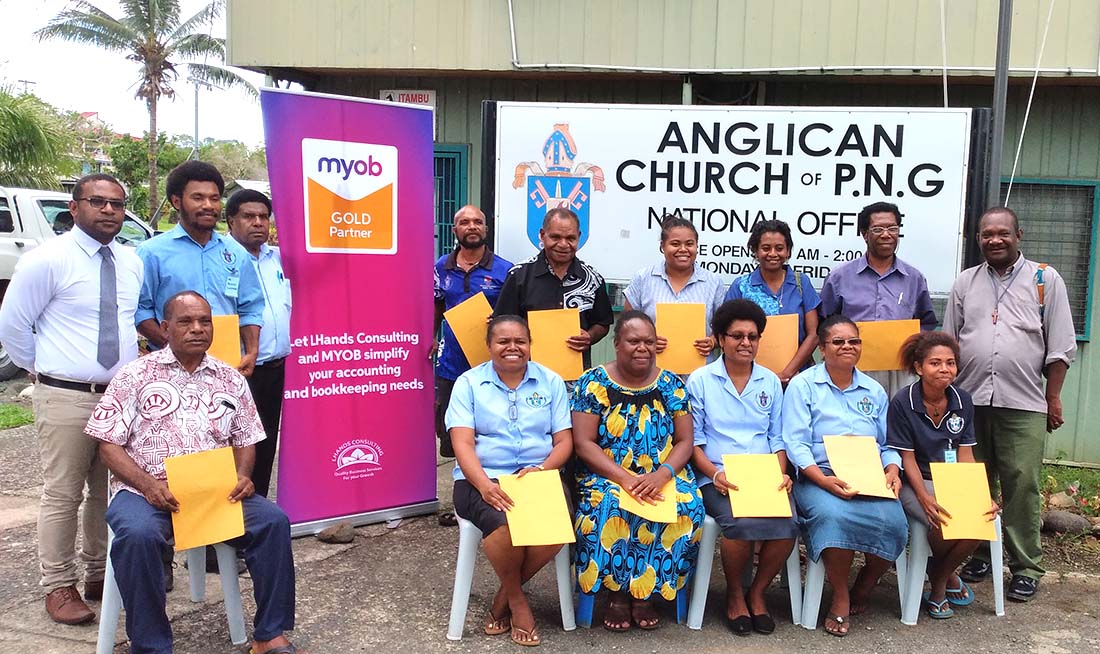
(71, 472)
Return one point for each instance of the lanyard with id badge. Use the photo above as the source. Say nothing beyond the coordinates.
(233, 283)
(950, 455)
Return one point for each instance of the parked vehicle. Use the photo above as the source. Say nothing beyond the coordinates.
(27, 218)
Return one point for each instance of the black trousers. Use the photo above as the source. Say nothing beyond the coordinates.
(266, 384)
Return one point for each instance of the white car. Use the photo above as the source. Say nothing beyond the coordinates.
(27, 218)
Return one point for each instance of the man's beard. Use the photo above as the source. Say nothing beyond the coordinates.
(467, 245)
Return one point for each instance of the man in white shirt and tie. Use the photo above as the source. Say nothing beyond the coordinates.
(248, 213)
(68, 317)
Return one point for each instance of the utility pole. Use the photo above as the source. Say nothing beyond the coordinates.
(1000, 97)
(25, 83)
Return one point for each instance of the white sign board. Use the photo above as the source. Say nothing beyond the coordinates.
(412, 96)
(622, 167)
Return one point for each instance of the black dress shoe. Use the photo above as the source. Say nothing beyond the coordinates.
(1022, 589)
(975, 570)
(741, 625)
(762, 624)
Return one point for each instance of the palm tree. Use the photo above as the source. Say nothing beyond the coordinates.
(151, 34)
(34, 145)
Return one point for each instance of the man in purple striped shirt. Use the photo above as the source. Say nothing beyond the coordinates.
(879, 285)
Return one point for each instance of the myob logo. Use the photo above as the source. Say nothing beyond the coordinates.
(350, 196)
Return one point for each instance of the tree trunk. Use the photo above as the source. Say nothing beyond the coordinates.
(151, 104)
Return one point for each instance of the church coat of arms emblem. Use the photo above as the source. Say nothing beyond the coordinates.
(558, 183)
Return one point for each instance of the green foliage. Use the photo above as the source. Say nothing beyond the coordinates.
(35, 145)
(15, 415)
(234, 159)
(1082, 484)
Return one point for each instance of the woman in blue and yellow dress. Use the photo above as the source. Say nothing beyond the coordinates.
(632, 429)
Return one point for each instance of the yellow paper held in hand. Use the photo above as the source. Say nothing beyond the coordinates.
(539, 515)
(469, 322)
(962, 490)
(549, 329)
(856, 461)
(881, 341)
(201, 483)
(681, 325)
(226, 345)
(779, 342)
(662, 511)
(757, 478)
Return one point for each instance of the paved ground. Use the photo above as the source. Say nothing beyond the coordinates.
(390, 591)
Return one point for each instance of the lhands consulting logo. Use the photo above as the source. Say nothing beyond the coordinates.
(350, 197)
(359, 457)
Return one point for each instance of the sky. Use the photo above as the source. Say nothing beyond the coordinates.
(85, 78)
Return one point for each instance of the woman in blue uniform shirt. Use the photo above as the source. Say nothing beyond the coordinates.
(735, 408)
(835, 398)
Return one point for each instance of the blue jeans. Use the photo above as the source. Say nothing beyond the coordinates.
(141, 534)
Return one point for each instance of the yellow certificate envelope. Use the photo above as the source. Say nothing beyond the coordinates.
(757, 478)
(201, 483)
(881, 341)
(549, 329)
(540, 515)
(226, 345)
(856, 461)
(663, 511)
(681, 325)
(779, 342)
(469, 320)
(962, 490)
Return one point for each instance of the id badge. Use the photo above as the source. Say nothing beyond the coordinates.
(232, 285)
(950, 456)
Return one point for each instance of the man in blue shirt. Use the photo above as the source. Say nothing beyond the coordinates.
(470, 269)
(194, 257)
(248, 213)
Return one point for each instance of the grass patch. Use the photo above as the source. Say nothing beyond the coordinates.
(15, 415)
(1083, 484)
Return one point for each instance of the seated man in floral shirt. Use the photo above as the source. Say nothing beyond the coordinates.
(176, 401)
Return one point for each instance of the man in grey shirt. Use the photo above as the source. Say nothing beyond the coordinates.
(1012, 319)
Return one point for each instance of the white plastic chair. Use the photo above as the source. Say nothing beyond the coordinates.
(698, 601)
(919, 552)
(815, 584)
(469, 538)
(111, 608)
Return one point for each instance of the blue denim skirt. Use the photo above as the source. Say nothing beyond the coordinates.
(872, 525)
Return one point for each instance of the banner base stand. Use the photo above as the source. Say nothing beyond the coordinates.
(368, 518)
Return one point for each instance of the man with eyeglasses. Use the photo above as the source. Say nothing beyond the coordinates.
(248, 213)
(879, 285)
(68, 317)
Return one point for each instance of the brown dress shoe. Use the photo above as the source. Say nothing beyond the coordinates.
(65, 606)
(93, 591)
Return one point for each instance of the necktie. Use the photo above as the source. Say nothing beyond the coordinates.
(107, 351)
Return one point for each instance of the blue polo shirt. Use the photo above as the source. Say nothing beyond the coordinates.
(728, 422)
(910, 429)
(481, 401)
(788, 300)
(221, 271)
(814, 408)
(453, 286)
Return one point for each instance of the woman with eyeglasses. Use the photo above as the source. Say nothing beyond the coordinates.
(677, 279)
(735, 407)
(779, 290)
(632, 433)
(508, 415)
(835, 398)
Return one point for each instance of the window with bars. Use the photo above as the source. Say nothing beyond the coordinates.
(450, 193)
(1057, 218)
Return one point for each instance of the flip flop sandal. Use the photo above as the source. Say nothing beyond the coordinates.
(650, 616)
(841, 626)
(533, 639)
(938, 610)
(963, 588)
(616, 614)
(495, 626)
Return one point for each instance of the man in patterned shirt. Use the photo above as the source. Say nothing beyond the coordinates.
(172, 402)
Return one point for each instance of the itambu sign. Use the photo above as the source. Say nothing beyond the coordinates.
(622, 167)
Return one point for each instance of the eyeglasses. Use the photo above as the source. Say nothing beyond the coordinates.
(839, 342)
(879, 231)
(99, 203)
(738, 337)
(513, 410)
